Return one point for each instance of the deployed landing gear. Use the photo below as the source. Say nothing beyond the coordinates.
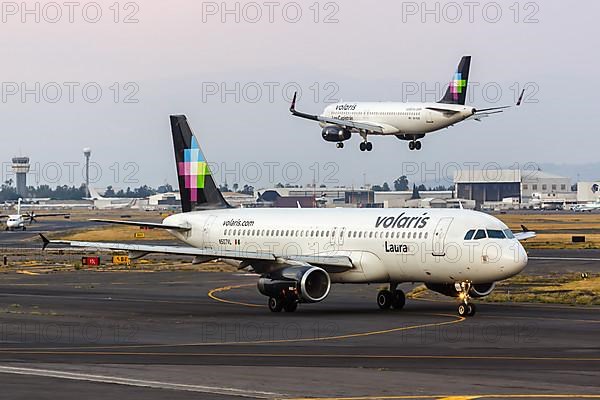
(366, 146)
(465, 308)
(414, 145)
(276, 304)
(339, 145)
(393, 298)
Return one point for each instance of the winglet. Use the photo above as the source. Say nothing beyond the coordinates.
(524, 228)
(293, 105)
(521, 98)
(45, 241)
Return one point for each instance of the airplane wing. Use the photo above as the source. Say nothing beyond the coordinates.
(328, 262)
(525, 234)
(35, 215)
(366, 126)
(152, 225)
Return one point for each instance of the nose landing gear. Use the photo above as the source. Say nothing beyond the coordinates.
(339, 145)
(465, 308)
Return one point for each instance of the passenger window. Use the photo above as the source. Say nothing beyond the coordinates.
(480, 235)
(495, 234)
(470, 234)
(359, 235)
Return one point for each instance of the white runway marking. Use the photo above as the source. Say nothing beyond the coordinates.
(137, 382)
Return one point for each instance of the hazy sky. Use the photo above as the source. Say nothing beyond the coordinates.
(180, 55)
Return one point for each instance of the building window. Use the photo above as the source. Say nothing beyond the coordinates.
(525, 186)
(544, 187)
(553, 187)
(534, 187)
(563, 187)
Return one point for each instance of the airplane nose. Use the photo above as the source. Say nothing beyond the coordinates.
(520, 260)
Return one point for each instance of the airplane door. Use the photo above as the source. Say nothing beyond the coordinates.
(206, 231)
(340, 240)
(428, 116)
(439, 237)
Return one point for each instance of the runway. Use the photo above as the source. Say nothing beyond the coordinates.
(209, 335)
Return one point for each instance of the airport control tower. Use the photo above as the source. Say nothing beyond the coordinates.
(87, 152)
(20, 166)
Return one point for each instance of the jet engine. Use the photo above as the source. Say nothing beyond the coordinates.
(476, 291)
(306, 284)
(335, 134)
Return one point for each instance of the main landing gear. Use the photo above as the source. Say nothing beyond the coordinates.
(276, 304)
(414, 145)
(465, 308)
(365, 145)
(392, 298)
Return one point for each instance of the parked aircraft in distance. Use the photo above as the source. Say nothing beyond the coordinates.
(406, 121)
(300, 252)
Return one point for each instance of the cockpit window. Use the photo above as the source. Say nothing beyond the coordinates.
(469, 234)
(495, 234)
(509, 234)
(480, 235)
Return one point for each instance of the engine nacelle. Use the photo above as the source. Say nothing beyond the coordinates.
(335, 134)
(303, 283)
(476, 291)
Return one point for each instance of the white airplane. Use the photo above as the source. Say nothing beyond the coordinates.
(300, 252)
(19, 220)
(406, 121)
(586, 207)
(110, 203)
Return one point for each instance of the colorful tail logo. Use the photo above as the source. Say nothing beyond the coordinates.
(194, 169)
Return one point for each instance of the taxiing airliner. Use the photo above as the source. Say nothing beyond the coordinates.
(299, 253)
(20, 220)
(406, 121)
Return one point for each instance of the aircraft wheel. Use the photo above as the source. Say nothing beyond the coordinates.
(417, 145)
(369, 146)
(462, 310)
(399, 300)
(471, 309)
(339, 145)
(411, 145)
(24, 228)
(275, 304)
(290, 306)
(384, 299)
(362, 146)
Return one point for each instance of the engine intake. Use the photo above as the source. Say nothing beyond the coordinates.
(304, 283)
(476, 291)
(335, 134)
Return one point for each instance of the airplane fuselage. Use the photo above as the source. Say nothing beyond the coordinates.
(399, 118)
(385, 245)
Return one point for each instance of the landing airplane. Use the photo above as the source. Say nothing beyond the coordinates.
(300, 252)
(406, 121)
(19, 220)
